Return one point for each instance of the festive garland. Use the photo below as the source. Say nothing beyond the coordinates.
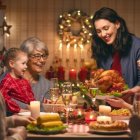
(75, 27)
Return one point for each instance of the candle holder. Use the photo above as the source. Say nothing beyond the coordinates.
(67, 61)
(60, 60)
(90, 116)
(75, 62)
(82, 61)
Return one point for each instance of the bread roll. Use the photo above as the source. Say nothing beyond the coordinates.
(51, 124)
(47, 118)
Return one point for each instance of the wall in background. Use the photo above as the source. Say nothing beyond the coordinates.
(40, 18)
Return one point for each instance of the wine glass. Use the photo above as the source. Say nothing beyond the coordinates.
(136, 104)
(93, 92)
(54, 95)
(54, 83)
(67, 97)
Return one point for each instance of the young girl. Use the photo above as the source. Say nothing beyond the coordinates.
(14, 87)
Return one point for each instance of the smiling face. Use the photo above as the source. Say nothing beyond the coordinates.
(19, 65)
(107, 30)
(37, 61)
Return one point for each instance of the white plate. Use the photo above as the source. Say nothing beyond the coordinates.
(107, 132)
(29, 113)
(103, 97)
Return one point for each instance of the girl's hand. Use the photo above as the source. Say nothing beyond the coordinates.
(22, 120)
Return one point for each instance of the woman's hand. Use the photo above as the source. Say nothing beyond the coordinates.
(119, 103)
(127, 93)
(115, 102)
(22, 120)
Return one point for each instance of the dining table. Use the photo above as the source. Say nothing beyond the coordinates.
(81, 132)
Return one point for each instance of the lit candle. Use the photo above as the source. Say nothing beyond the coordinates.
(90, 116)
(72, 75)
(82, 52)
(104, 119)
(60, 49)
(75, 51)
(79, 112)
(68, 51)
(35, 109)
(104, 109)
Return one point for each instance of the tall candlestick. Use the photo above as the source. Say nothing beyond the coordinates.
(67, 51)
(35, 109)
(60, 50)
(75, 51)
(82, 52)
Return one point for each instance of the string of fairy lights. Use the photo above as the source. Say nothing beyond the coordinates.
(75, 27)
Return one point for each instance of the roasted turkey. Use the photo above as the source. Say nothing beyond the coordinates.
(107, 80)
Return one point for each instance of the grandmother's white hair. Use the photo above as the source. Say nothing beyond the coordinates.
(33, 43)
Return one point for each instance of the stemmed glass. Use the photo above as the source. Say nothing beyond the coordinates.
(93, 92)
(136, 104)
(54, 95)
(67, 97)
(54, 83)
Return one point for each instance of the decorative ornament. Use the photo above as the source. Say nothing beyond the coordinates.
(75, 27)
(5, 27)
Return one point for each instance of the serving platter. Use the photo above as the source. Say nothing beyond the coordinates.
(54, 130)
(108, 132)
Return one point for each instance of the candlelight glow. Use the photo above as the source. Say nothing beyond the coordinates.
(60, 49)
(75, 51)
(68, 51)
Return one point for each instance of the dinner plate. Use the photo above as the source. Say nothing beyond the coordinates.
(29, 113)
(37, 130)
(103, 97)
(108, 132)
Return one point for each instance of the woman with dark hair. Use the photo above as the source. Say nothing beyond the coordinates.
(114, 47)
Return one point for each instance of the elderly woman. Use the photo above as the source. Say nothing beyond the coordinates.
(37, 53)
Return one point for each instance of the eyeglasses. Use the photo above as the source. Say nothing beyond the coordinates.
(38, 56)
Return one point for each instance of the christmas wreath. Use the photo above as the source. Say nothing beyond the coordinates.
(75, 27)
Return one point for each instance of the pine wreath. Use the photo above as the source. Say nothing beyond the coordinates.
(75, 27)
